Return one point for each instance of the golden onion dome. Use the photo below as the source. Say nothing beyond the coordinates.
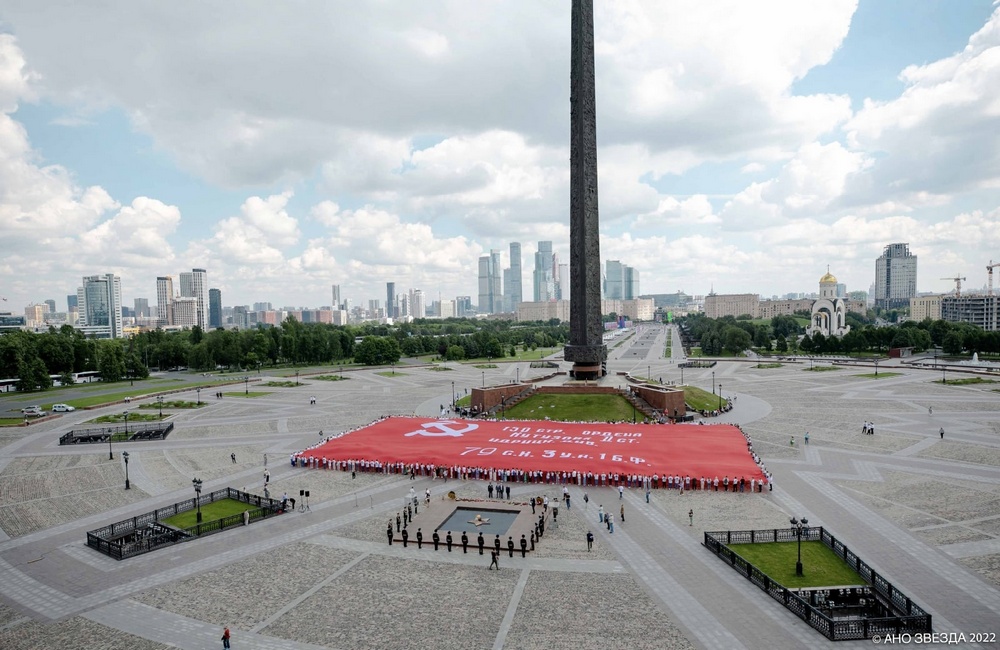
(828, 279)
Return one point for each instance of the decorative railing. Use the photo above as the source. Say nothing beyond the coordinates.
(133, 433)
(907, 616)
(144, 533)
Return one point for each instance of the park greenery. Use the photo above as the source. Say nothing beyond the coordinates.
(822, 567)
(210, 511)
(35, 358)
(573, 408)
(732, 335)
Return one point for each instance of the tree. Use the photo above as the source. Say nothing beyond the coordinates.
(32, 375)
(455, 353)
(735, 339)
(377, 351)
(111, 361)
(952, 343)
(782, 344)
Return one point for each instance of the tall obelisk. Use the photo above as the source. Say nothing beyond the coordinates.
(586, 343)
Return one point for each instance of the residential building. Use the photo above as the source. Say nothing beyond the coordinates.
(490, 290)
(543, 311)
(195, 285)
(51, 304)
(735, 304)
(926, 306)
(336, 296)
(262, 306)
(164, 300)
(240, 319)
(214, 308)
(979, 310)
(185, 311)
(419, 305)
(512, 279)
(34, 314)
(99, 302)
(390, 300)
(562, 281)
(543, 277)
(141, 306)
(895, 277)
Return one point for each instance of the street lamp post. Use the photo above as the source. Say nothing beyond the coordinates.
(517, 370)
(649, 374)
(197, 496)
(484, 379)
(720, 395)
(111, 434)
(125, 456)
(682, 375)
(199, 395)
(713, 382)
(503, 407)
(246, 386)
(944, 375)
(797, 526)
(159, 402)
(125, 415)
(452, 394)
(876, 367)
(341, 371)
(296, 377)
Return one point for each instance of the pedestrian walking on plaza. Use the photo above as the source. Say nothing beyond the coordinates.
(590, 541)
(437, 539)
(494, 560)
(586, 500)
(388, 532)
(420, 539)
(265, 460)
(481, 541)
(807, 437)
(600, 514)
(225, 637)
(621, 493)
(447, 541)
(406, 536)
(524, 546)
(623, 513)
(465, 543)
(647, 495)
(930, 410)
(942, 433)
(611, 523)
(691, 517)
(510, 545)
(233, 457)
(246, 517)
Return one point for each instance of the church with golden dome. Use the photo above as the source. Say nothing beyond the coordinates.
(829, 313)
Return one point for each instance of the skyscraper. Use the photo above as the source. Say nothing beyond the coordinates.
(52, 305)
(562, 282)
(490, 292)
(194, 285)
(141, 307)
(71, 302)
(895, 277)
(631, 283)
(512, 289)
(214, 308)
(621, 282)
(99, 301)
(336, 296)
(419, 304)
(390, 300)
(165, 300)
(543, 276)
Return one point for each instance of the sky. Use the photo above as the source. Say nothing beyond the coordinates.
(285, 147)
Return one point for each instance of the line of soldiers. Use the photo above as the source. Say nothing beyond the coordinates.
(436, 539)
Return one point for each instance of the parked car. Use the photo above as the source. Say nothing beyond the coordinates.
(33, 412)
(62, 408)
(28, 409)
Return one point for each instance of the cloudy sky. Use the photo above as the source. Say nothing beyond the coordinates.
(288, 146)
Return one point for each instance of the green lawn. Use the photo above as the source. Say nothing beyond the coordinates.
(141, 389)
(11, 422)
(700, 400)
(209, 512)
(391, 373)
(821, 368)
(118, 418)
(174, 404)
(881, 375)
(330, 377)
(485, 366)
(965, 381)
(281, 384)
(440, 369)
(253, 393)
(820, 566)
(584, 408)
(696, 352)
(769, 365)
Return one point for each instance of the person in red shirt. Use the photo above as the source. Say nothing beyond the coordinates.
(225, 638)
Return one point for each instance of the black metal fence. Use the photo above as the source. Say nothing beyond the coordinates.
(133, 433)
(907, 616)
(144, 533)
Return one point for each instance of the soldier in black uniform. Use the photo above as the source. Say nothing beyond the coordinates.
(406, 536)
(510, 545)
(532, 541)
(399, 522)
(447, 540)
(524, 547)
(507, 488)
(532, 499)
(481, 541)
(590, 540)
(437, 539)
(409, 513)
(465, 542)
(496, 544)
(489, 490)
(388, 532)
(420, 538)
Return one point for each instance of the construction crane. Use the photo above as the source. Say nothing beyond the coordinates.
(989, 271)
(958, 285)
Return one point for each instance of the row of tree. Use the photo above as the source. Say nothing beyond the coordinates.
(782, 333)
(34, 358)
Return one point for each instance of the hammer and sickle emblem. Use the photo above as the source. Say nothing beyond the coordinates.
(442, 429)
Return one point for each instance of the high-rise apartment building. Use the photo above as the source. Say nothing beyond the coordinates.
(141, 307)
(895, 277)
(390, 300)
(99, 301)
(463, 306)
(262, 306)
(512, 287)
(214, 308)
(419, 306)
(195, 285)
(34, 314)
(185, 310)
(544, 275)
(336, 296)
(490, 292)
(52, 305)
(562, 281)
(165, 300)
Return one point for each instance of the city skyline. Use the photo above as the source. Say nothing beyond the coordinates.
(741, 146)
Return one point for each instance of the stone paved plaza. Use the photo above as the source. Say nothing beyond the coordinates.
(921, 510)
